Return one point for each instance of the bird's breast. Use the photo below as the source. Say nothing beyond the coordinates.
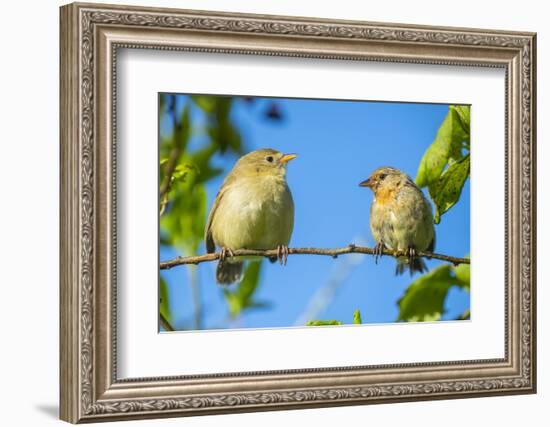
(255, 215)
(384, 196)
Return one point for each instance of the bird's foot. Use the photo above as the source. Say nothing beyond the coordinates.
(282, 254)
(411, 254)
(378, 251)
(225, 252)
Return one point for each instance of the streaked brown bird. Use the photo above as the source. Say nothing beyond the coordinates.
(253, 210)
(400, 217)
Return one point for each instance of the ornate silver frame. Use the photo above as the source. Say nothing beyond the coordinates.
(90, 36)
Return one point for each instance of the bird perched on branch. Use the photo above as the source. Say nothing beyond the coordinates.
(400, 217)
(253, 210)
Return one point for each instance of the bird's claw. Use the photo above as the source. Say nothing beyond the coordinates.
(378, 251)
(282, 254)
(225, 252)
(411, 253)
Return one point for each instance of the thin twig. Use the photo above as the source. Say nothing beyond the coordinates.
(165, 323)
(350, 249)
(172, 161)
(167, 183)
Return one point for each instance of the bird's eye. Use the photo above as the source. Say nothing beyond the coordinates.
(269, 159)
(382, 176)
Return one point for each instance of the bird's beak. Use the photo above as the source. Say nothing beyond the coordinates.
(287, 158)
(366, 183)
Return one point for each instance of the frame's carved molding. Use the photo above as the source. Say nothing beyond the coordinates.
(82, 22)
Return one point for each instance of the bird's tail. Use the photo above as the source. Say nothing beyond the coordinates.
(229, 272)
(404, 264)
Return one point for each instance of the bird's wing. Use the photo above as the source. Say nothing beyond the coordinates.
(413, 220)
(431, 247)
(208, 238)
(429, 218)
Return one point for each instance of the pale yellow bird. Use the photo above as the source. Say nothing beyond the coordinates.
(253, 210)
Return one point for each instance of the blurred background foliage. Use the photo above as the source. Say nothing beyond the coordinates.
(183, 174)
(202, 143)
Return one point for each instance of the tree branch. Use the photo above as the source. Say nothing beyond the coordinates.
(350, 249)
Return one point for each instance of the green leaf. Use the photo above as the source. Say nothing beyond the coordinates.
(323, 322)
(462, 273)
(356, 321)
(181, 171)
(201, 159)
(464, 113)
(165, 146)
(164, 302)
(222, 131)
(205, 102)
(185, 125)
(424, 298)
(233, 303)
(447, 145)
(242, 297)
(446, 191)
(182, 130)
(225, 136)
(184, 224)
(249, 283)
(465, 315)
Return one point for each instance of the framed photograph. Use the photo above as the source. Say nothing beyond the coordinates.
(266, 212)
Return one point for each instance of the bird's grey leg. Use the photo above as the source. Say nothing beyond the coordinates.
(411, 252)
(378, 251)
(225, 252)
(282, 254)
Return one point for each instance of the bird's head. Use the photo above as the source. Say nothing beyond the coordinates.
(265, 162)
(385, 178)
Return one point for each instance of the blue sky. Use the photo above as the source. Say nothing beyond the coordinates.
(339, 143)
